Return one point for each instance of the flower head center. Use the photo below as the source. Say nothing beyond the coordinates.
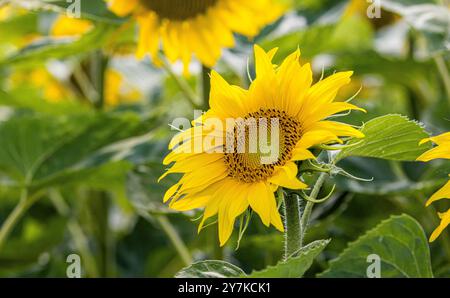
(178, 10)
(275, 135)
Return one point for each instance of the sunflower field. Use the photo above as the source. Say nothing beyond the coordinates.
(127, 130)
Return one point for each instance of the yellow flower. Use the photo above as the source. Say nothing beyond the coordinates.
(66, 26)
(117, 91)
(200, 27)
(51, 89)
(227, 183)
(440, 151)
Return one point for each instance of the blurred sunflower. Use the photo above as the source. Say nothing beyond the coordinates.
(42, 81)
(66, 26)
(228, 183)
(200, 27)
(118, 91)
(442, 150)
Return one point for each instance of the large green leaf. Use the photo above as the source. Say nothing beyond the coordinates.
(210, 269)
(391, 137)
(399, 242)
(328, 38)
(144, 191)
(296, 266)
(38, 151)
(50, 48)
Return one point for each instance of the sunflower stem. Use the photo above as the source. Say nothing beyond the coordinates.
(181, 83)
(99, 65)
(292, 226)
(206, 86)
(442, 68)
(310, 204)
(13, 218)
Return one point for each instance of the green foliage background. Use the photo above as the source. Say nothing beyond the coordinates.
(86, 173)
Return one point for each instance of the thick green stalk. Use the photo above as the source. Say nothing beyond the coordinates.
(292, 226)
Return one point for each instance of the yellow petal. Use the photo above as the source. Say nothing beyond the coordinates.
(339, 129)
(317, 137)
(441, 139)
(294, 83)
(66, 26)
(232, 205)
(445, 221)
(443, 193)
(263, 62)
(287, 177)
(299, 154)
(328, 110)
(226, 100)
(440, 151)
(259, 200)
(275, 218)
(122, 7)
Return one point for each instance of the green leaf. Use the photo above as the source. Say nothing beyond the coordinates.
(391, 137)
(296, 266)
(96, 10)
(50, 48)
(210, 269)
(37, 151)
(329, 38)
(401, 244)
(144, 191)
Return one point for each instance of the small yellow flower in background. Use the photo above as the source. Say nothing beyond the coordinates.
(66, 26)
(228, 183)
(442, 150)
(117, 91)
(5, 12)
(200, 27)
(51, 89)
(8, 11)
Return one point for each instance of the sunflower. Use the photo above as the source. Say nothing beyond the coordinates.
(66, 26)
(227, 182)
(442, 150)
(199, 27)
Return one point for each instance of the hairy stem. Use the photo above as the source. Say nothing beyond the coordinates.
(292, 225)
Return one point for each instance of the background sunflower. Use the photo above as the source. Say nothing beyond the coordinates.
(199, 27)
